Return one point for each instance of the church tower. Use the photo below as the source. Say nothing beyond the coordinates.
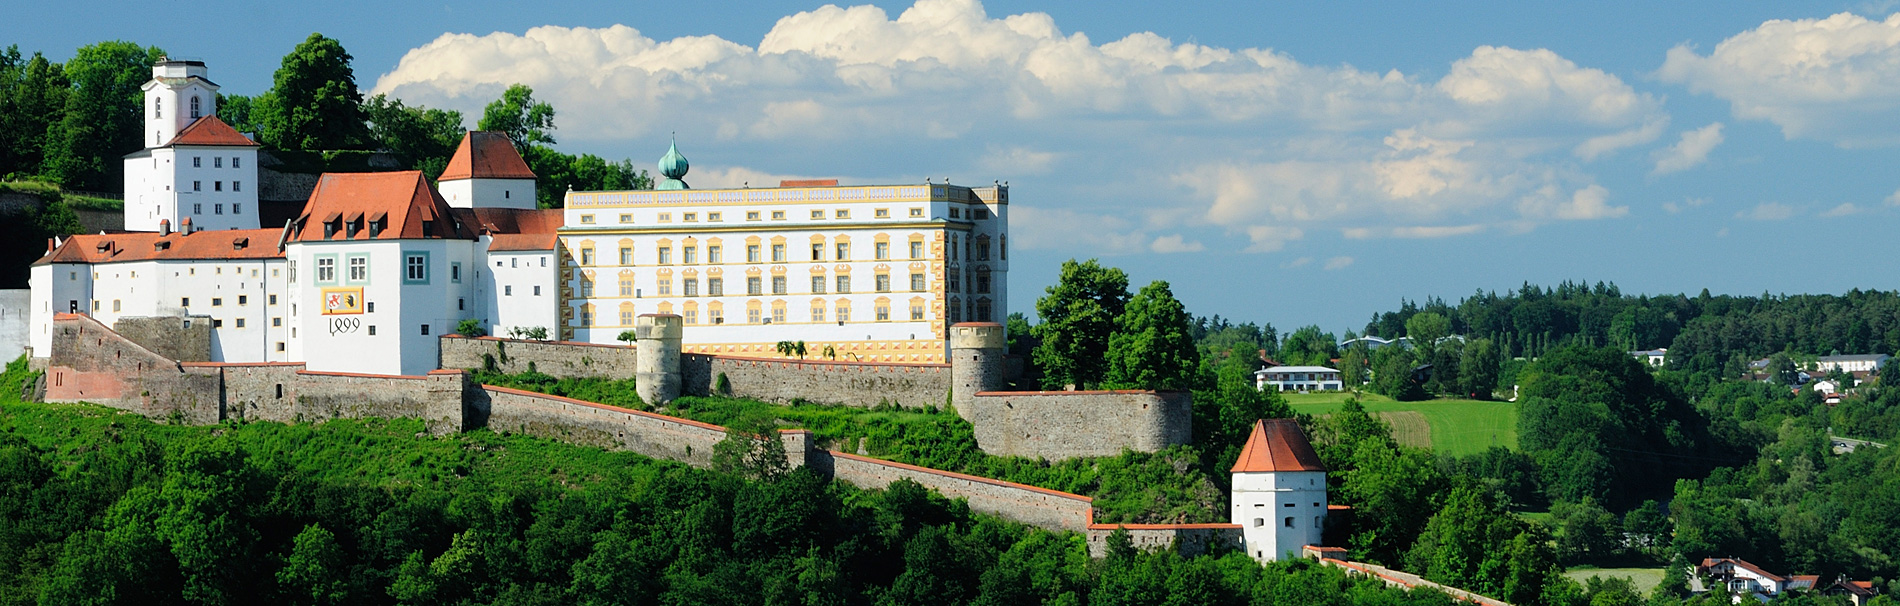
(195, 171)
(1279, 491)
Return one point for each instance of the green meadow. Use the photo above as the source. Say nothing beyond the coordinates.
(1454, 427)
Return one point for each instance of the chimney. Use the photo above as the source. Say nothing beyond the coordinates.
(164, 227)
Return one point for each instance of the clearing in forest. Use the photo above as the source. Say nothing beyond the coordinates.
(1454, 427)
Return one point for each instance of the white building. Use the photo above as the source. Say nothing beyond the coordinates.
(1298, 378)
(1851, 363)
(1279, 491)
(878, 273)
(1655, 358)
(487, 167)
(194, 166)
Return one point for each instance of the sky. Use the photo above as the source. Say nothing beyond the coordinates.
(1274, 162)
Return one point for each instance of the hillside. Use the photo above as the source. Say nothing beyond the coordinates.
(1447, 426)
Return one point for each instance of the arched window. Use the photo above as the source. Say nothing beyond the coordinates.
(194, 106)
(158, 107)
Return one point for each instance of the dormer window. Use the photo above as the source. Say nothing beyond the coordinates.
(377, 226)
(428, 227)
(331, 227)
(194, 107)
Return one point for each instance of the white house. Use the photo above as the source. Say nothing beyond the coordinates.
(1653, 357)
(1741, 577)
(1851, 363)
(487, 168)
(1298, 378)
(194, 166)
(1279, 491)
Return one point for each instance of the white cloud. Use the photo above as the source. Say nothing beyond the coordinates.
(1845, 209)
(1767, 211)
(1338, 263)
(1675, 208)
(1300, 262)
(1894, 200)
(1692, 150)
(1055, 228)
(1835, 79)
(1139, 126)
(1174, 243)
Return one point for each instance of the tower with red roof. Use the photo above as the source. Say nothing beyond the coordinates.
(194, 166)
(1279, 491)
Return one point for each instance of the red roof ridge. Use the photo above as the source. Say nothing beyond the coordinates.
(1277, 445)
(209, 130)
(486, 155)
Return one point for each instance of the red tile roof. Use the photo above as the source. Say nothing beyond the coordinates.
(1277, 445)
(507, 242)
(233, 244)
(209, 130)
(404, 200)
(1743, 564)
(510, 220)
(486, 155)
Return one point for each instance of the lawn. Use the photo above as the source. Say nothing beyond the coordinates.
(1643, 578)
(1456, 427)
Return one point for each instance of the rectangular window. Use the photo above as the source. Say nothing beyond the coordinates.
(326, 269)
(752, 315)
(844, 251)
(982, 284)
(778, 285)
(666, 217)
(666, 255)
(455, 272)
(916, 311)
(817, 285)
(917, 282)
(778, 253)
(217, 302)
(844, 313)
(817, 215)
(115, 305)
(752, 215)
(198, 208)
(273, 300)
(217, 162)
(217, 209)
(883, 313)
(689, 254)
(666, 286)
(844, 285)
(754, 286)
(778, 315)
(778, 215)
(626, 317)
(507, 290)
(713, 254)
(234, 162)
(917, 212)
(689, 287)
(587, 288)
(425, 330)
(712, 216)
(818, 312)
(883, 283)
(842, 214)
(217, 186)
(752, 253)
(982, 250)
(240, 322)
(217, 323)
(244, 299)
(626, 255)
(184, 302)
(587, 218)
(917, 250)
(883, 213)
(955, 281)
(882, 250)
(1289, 522)
(956, 213)
(689, 216)
(716, 316)
(817, 252)
(587, 257)
(197, 162)
(415, 268)
(715, 287)
(197, 185)
(537, 290)
(982, 214)
(277, 321)
(626, 287)
(691, 316)
(626, 218)
(358, 268)
(237, 209)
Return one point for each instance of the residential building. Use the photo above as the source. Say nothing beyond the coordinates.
(1857, 363)
(1652, 357)
(1741, 577)
(1298, 378)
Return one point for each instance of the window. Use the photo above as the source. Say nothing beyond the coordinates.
(199, 209)
(217, 162)
(752, 315)
(844, 285)
(587, 288)
(778, 215)
(194, 106)
(983, 311)
(691, 316)
(817, 252)
(778, 253)
(587, 218)
(844, 312)
(982, 249)
(916, 311)
(689, 254)
(666, 255)
(883, 283)
(842, 213)
(778, 285)
(197, 162)
(217, 186)
(240, 322)
(537, 290)
(236, 186)
(1289, 522)
(817, 285)
(917, 212)
(244, 300)
(217, 302)
(844, 251)
(689, 287)
(956, 213)
(197, 185)
(666, 217)
(754, 286)
(818, 311)
(712, 216)
(956, 281)
(713, 254)
(778, 314)
(425, 330)
(752, 253)
(416, 267)
(716, 316)
(982, 214)
(883, 213)
(982, 283)
(326, 269)
(217, 209)
(1257, 522)
(626, 218)
(715, 287)
(158, 107)
(587, 257)
(184, 302)
(817, 215)
(544, 261)
(626, 255)
(626, 286)
(882, 250)
(507, 290)
(234, 162)
(689, 216)
(372, 330)
(626, 317)
(883, 313)
(359, 268)
(917, 282)
(751, 215)
(115, 305)
(369, 306)
(666, 286)
(217, 323)
(277, 321)
(455, 272)
(273, 300)
(587, 315)
(917, 250)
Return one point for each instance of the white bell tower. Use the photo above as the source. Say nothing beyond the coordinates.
(1279, 491)
(194, 166)
(177, 95)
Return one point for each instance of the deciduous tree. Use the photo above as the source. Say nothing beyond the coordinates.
(1078, 317)
(313, 103)
(1151, 347)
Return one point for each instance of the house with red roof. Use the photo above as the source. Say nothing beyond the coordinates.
(1279, 491)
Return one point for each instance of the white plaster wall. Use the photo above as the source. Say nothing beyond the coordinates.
(57, 288)
(203, 205)
(397, 310)
(1262, 501)
(510, 279)
(236, 294)
(162, 126)
(488, 193)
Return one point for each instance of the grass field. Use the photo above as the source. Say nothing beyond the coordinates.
(1454, 427)
(1643, 578)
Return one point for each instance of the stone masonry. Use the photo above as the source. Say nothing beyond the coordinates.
(1057, 425)
(556, 358)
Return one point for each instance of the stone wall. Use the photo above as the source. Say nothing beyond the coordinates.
(14, 322)
(91, 363)
(599, 425)
(1051, 509)
(1194, 539)
(287, 393)
(862, 384)
(181, 338)
(557, 358)
(1057, 425)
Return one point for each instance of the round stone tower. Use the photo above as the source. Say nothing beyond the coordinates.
(656, 367)
(976, 363)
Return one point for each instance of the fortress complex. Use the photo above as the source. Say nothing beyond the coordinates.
(378, 266)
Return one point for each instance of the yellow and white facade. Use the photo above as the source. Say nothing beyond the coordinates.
(877, 273)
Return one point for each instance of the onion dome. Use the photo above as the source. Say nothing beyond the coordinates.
(673, 166)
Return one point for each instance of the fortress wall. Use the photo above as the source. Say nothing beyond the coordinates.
(1194, 539)
(91, 363)
(562, 359)
(599, 425)
(1057, 425)
(863, 384)
(1030, 505)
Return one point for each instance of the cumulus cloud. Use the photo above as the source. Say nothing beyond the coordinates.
(1767, 211)
(1175, 243)
(1678, 207)
(1338, 263)
(1835, 79)
(1300, 262)
(1845, 209)
(1688, 152)
(1249, 146)
(1894, 200)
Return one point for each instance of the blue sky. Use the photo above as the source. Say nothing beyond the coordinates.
(1295, 164)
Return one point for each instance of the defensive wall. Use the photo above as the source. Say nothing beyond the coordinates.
(562, 359)
(862, 384)
(1334, 556)
(1064, 424)
(1190, 539)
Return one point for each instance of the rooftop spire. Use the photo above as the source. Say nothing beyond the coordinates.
(673, 166)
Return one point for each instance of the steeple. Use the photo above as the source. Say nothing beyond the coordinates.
(673, 166)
